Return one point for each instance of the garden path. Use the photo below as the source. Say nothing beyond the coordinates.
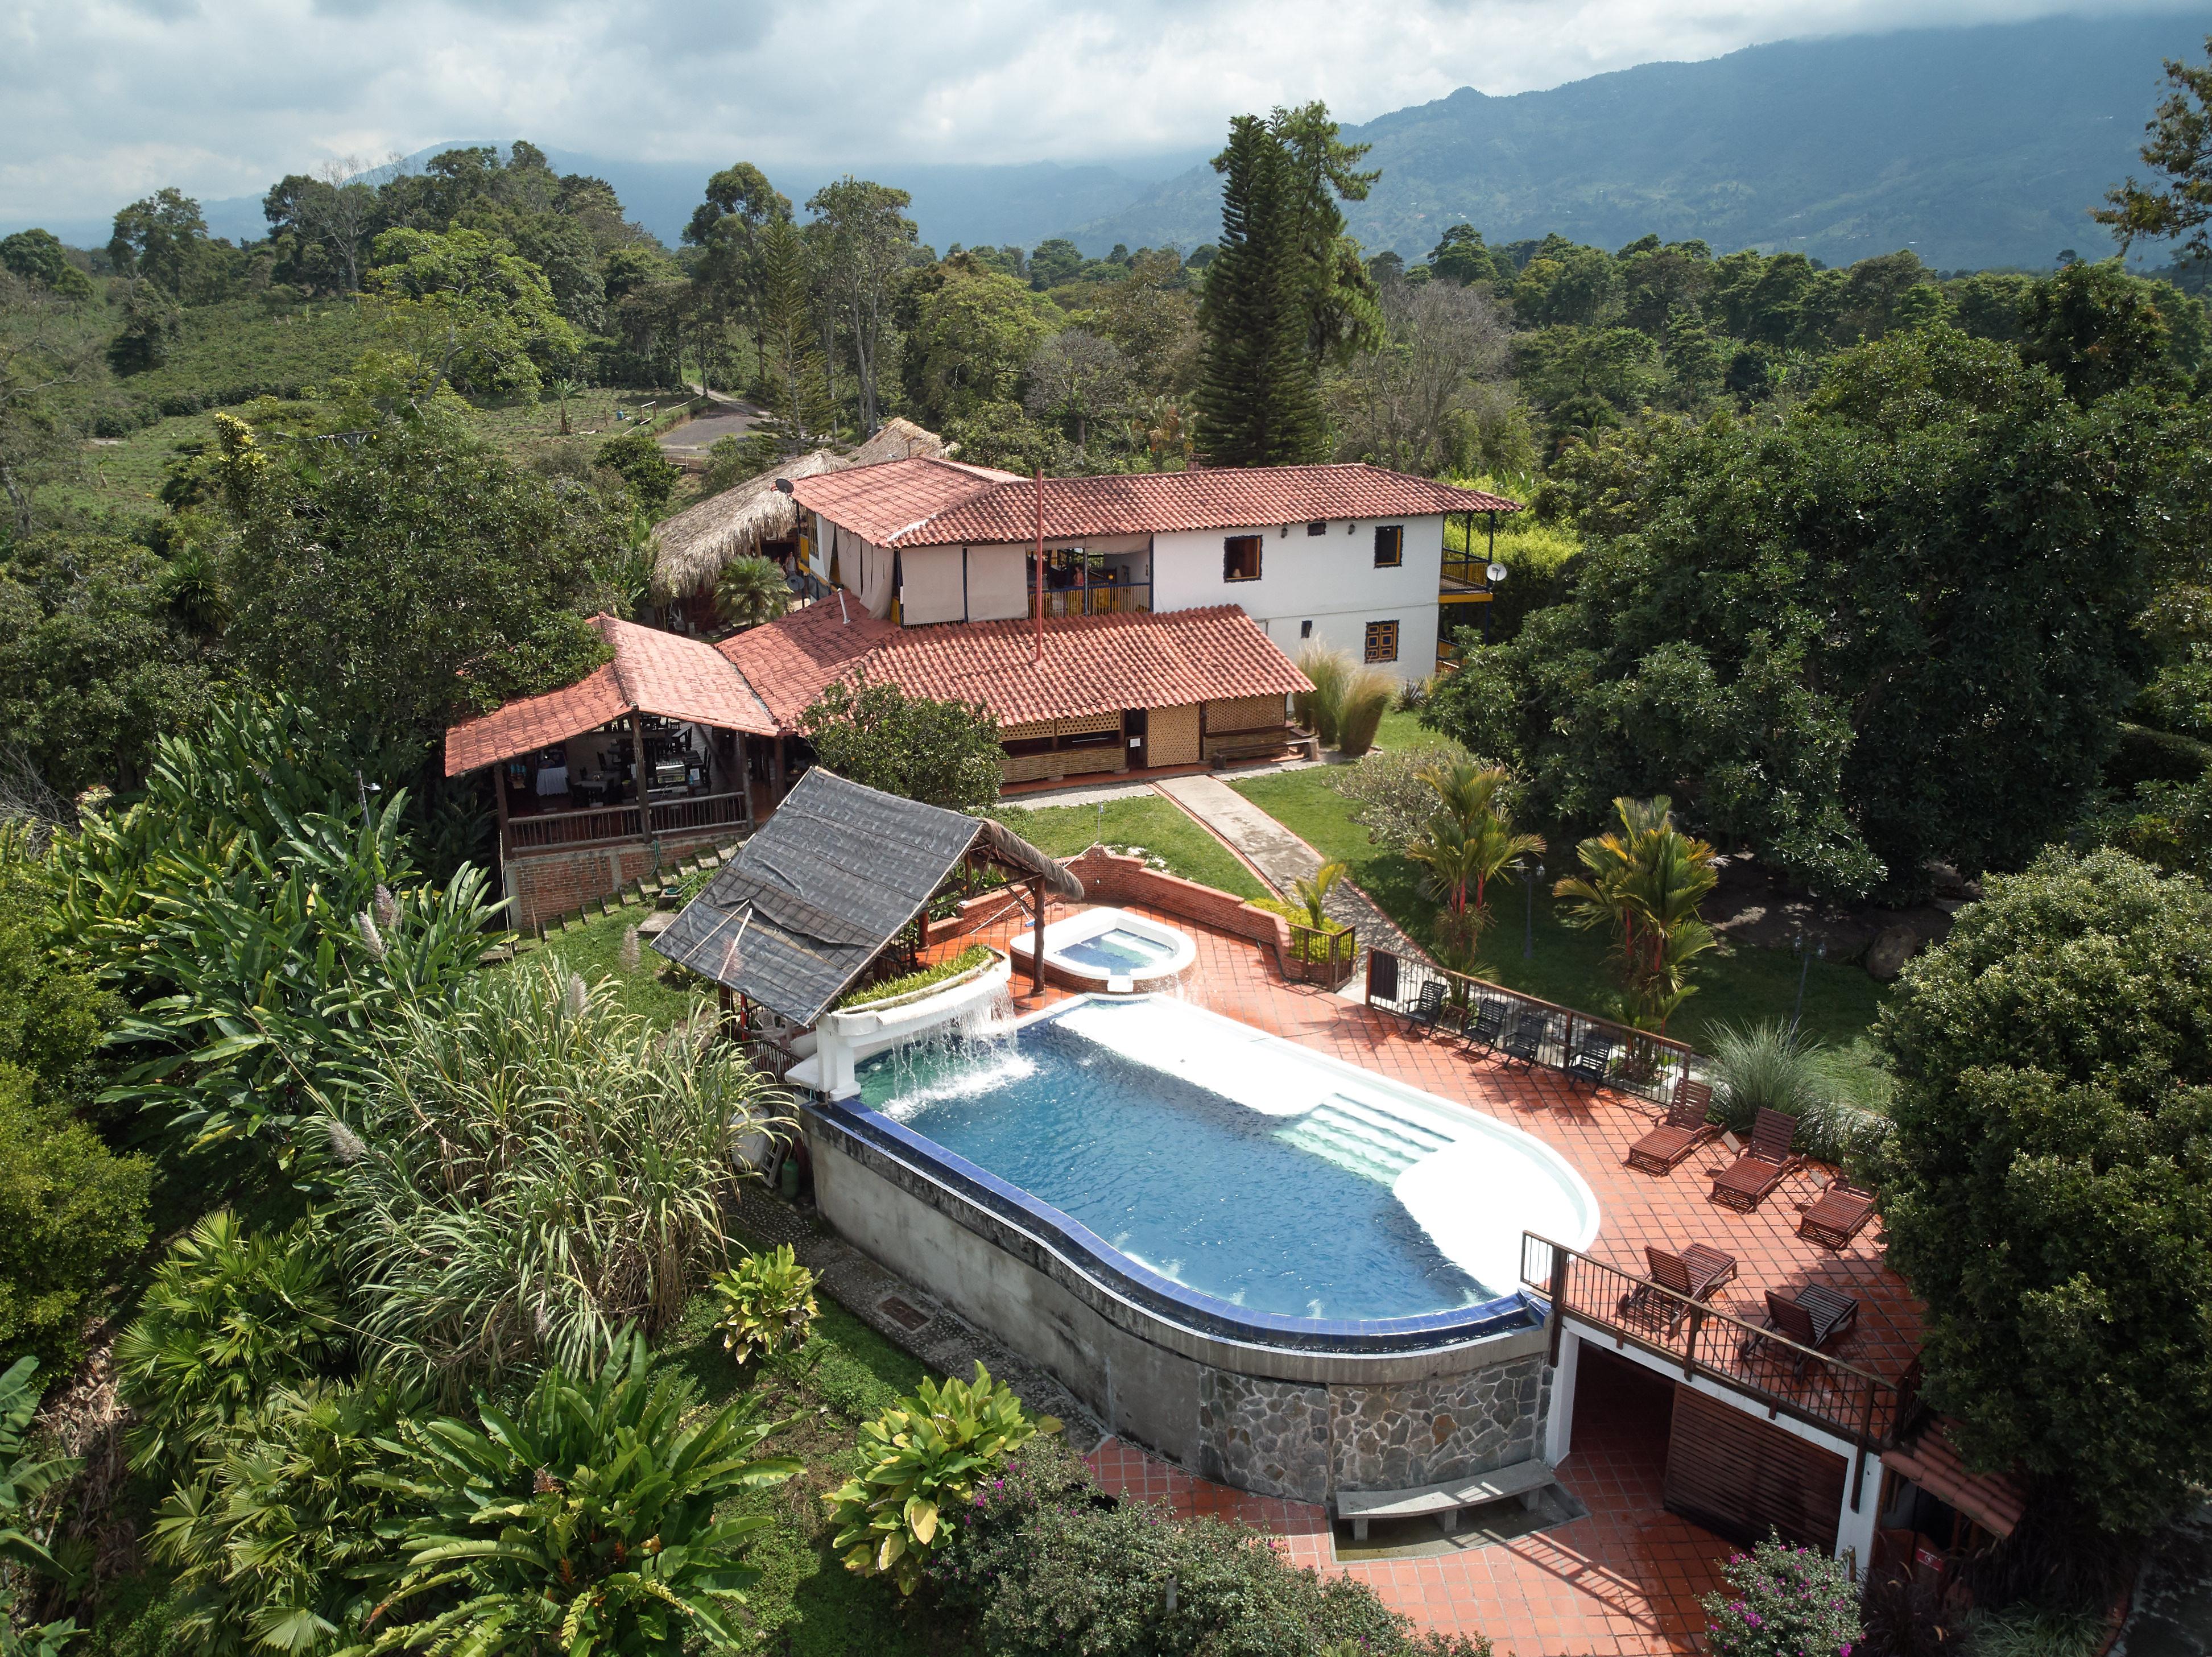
(1283, 859)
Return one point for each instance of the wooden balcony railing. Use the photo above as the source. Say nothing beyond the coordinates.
(1119, 598)
(1856, 1405)
(1640, 1062)
(554, 830)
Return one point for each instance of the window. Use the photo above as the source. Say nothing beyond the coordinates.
(1389, 545)
(1319, 526)
(1381, 641)
(1110, 738)
(1240, 558)
(1018, 746)
(1306, 629)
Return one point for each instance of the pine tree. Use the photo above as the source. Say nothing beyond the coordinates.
(1259, 393)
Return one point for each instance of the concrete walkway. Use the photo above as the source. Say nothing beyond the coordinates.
(1283, 859)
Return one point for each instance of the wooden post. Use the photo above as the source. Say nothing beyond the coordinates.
(775, 771)
(499, 799)
(1036, 938)
(744, 774)
(644, 780)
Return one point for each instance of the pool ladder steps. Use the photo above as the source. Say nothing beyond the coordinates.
(1368, 1141)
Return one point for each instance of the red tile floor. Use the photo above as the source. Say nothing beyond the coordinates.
(1625, 1579)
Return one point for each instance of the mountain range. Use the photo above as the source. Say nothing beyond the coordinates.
(1976, 147)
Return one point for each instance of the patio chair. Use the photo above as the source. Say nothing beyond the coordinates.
(1764, 1164)
(1692, 1274)
(1815, 1319)
(1524, 1040)
(1685, 1129)
(1592, 1062)
(1485, 1024)
(1839, 1215)
(1429, 1008)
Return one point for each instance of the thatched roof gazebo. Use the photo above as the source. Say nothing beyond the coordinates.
(690, 549)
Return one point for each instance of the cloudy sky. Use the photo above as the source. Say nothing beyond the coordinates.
(107, 98)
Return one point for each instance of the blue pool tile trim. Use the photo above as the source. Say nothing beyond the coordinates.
(1206, 1314)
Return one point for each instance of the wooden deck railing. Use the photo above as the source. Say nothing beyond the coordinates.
(557, 829)
(1322, 956)
(1642, 1063)
(1856, 1405)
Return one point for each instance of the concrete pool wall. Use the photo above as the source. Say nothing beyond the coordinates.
(1301, 1409)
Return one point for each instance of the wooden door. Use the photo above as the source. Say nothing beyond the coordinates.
(1738, 1474)
(1135, 729)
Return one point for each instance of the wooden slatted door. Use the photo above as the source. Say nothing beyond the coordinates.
(1738, 1474)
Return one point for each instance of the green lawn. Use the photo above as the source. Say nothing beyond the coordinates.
(1148, 820)
(1568, 965)
(657, 992)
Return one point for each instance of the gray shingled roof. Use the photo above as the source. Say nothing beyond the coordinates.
(829, 880)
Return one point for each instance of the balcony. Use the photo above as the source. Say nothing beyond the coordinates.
(1703, 1341)
(560, 830)
(1114, 598)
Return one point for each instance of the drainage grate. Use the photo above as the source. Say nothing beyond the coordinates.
(900, 1314)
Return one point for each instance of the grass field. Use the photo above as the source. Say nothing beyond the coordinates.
(1148, 820)
(656, 993)
(1568, 965)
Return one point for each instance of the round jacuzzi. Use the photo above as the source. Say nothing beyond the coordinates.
(1110, 950)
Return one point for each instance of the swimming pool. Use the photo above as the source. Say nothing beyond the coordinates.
(1107, 949)
(1119, 951)
(1248, 1170)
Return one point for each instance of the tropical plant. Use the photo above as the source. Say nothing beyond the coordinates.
(584, 1522)
(767, 1304)
(262, 915)
(1467, 842)
(1785, 1602)
(1312, 891)
(281, 1540)
(226, 1317)
(968, 960)
(528, 1172)
(1365, 698)
(1320, 708)
(1644, 881)
(25, 1476)
(751, 590)
(920, 1463)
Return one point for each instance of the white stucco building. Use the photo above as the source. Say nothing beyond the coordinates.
(1349, 556)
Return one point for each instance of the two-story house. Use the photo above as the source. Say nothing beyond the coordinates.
(1350, 556)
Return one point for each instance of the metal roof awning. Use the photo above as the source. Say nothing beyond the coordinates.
(826, 884)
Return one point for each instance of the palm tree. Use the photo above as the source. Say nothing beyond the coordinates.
(1312, 893)
(751, 591)
(1645, 880)
(1468, 843)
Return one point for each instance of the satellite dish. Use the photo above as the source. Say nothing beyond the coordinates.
(1496, 573)
(783, 485)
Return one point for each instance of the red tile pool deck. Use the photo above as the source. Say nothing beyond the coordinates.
(1628, 1579)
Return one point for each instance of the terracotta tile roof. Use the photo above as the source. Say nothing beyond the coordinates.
(1091, 664)
(878, 501)
(651, 672)
(915, 503)
(1993, 1501)
(790, 662)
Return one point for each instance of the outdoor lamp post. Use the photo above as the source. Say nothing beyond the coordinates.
(1528, 878)
(1805, 958)
(1496, 573)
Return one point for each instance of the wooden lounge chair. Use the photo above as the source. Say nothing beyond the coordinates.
(1694, 1274)
(1815, 1318)
(1525, 1039)
(1764, 1163)
(1685, 1129)
(1485, 1024)
(1592, 1062)
(1839, 1215)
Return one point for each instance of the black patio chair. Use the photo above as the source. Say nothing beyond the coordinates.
(1430, 1007)
(1592, 1062)
(1485, 1024)
(1524, 1041)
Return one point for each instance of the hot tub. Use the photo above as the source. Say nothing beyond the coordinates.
(1110, 950)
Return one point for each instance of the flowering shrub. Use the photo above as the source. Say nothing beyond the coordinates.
(1787, 1602)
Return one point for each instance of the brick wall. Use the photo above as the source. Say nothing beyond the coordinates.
(546, 885)
(1243, 713)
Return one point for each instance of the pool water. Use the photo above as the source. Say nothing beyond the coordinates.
(1119, 951)
(1139, 1121)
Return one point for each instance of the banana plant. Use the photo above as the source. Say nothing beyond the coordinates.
(25, 1476)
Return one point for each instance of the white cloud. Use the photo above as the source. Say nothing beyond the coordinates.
(107, 98)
